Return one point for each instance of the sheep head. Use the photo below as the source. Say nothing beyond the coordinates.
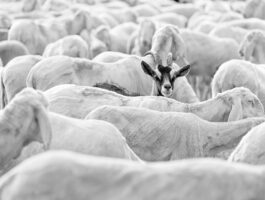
(22, 121)
(243, 104)
(147, 29)
(164, 77)
(250, 42)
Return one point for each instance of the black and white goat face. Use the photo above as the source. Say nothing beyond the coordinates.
(164, 78)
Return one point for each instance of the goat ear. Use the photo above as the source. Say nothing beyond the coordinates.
(148, 69)
(44, 134)
(182, 71)
(236, 112)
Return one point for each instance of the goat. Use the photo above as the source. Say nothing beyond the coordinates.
(164, 77)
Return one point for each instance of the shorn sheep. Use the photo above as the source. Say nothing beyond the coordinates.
(68, 175)
(25, 120)
(11, 49)
(251, 147)
(162, 136)
(72, 45)
(126, 72)
(77, 101)
(252, 47)
(240, 73)
(14, 76)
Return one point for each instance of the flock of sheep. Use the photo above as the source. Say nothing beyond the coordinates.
(132, 100)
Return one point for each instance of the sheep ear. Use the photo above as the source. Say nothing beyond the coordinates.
(44, 134)
(148, 69)
(102, 33)
(182, 71)
(236, 112)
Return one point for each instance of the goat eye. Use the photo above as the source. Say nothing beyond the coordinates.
(156, 78)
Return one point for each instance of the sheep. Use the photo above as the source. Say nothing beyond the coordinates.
(123, 15)
(141, 41)
(161, 136)
(5, 21)
(168, 40)
(186, 10)
(108, 19)
(205, 27)
(206, 53)
(31, 5)
(235, 33)
(69, 175)
(110, 56)
(254, 8)
(11, 49)
(96, 46)
(168, 18)
(72, 45)
(240, 73)
(251, 147)
(248, 24)
(53, 131)
(126, 72)
(14, 75)
(146, 10)
(252, 47)
(116, 39)
(200, 17)
(77, 101)
(45, 32)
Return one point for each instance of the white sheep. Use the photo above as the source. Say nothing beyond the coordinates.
(251, 147)
(77, 101)
(126, 72)
(72, 45)
(240, 73)
(68, 175)
(25, 120)
(116, 39)
(161, 136)
(110, 56)
(37, 34)
(232, 32)
(186, 10)
(10, 49)
(252, 47)
(206, 53)
(13, 78)
(254, 9)
(141, 40)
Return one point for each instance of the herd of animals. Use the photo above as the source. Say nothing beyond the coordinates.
(132, 100)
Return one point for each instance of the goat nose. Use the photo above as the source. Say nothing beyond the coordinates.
(167, 86)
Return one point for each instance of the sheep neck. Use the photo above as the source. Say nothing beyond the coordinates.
(214, 110)
(218, 137)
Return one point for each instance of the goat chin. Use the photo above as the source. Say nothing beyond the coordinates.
(166, 93)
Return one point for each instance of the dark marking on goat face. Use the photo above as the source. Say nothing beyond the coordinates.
(164, 77)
